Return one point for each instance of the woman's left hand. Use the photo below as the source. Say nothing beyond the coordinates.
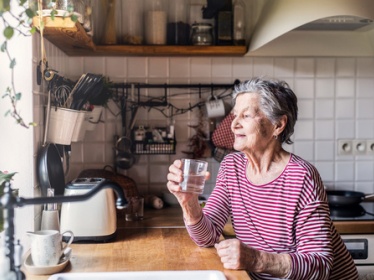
(236, 255)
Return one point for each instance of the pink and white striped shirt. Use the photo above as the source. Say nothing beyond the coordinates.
(288, 215)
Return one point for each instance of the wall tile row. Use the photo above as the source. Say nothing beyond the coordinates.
(336, 101)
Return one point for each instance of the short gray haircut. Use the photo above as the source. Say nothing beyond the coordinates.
(276, 100)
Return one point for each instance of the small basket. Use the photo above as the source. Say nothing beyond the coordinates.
(151, 146)
(142, 147)
(128, 185)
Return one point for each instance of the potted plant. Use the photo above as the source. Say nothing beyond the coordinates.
(97, 102)
(15, 22)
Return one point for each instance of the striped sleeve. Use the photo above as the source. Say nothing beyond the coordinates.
(289, 215)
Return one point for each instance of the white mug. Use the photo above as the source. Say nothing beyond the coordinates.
(47, 247)
(215, 108)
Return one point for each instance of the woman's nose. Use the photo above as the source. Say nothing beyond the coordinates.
(234, 123)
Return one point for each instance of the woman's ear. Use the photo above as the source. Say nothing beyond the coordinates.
(281, 125)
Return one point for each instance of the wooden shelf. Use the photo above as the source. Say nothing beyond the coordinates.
(74, 41)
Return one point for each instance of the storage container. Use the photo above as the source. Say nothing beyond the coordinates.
(132, 22)
(202, 34)
(178, 29)
(155, 21)
(106, 21)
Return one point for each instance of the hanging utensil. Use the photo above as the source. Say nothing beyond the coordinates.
(124, 157)
(88, 86)
(49, 168)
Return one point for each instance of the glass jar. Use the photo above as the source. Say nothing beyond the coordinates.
(79, 10)
(178, 29)
(239, 22)
(62, 7)
(87, 17)
(155, 21)
(202, 34)
(132, 22)
(106, 21)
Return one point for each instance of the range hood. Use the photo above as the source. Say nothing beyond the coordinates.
(313, 28)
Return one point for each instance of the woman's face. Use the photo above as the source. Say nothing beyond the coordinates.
(253, 131)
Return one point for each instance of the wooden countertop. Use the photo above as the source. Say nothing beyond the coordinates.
(159, 242)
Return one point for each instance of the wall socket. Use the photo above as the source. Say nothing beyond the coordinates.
(356, 147)
(370, 147)
(345, 147)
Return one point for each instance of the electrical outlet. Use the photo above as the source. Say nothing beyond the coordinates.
(370, 147)
(345, 147)
(359, 147)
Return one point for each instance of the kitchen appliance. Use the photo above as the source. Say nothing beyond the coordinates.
(341, 28)
(91, 220)
(357, 231)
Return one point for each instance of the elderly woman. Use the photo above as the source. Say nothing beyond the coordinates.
(276, 200)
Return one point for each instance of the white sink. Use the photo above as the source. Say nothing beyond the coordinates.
(140, 275)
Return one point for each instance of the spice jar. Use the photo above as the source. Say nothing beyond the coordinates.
(202, 34)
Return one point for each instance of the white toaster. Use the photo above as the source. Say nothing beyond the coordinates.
(93, 219)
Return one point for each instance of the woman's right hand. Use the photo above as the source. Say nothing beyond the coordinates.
(189, 202)
(175, 177)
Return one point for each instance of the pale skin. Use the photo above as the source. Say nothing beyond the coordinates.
(255, 136)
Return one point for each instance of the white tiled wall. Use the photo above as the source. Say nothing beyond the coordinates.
(336, 101)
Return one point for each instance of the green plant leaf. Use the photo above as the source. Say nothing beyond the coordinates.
(12, 63)
(30, 13)
(8, 32)
(3, 46)
(74, 18)
(7, 113)
(18, 96)
(6, 177)
(4, 5)
(70, 9)
(53, 14)
(33, 30)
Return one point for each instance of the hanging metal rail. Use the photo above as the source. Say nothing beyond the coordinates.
(138, 86)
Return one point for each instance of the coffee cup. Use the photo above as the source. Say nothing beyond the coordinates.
(47, 247)
(215, 108)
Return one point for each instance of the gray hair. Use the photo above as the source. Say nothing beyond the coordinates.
(276, 100)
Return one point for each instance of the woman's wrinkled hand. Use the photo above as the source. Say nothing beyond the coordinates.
(175, 177)
(235, 254)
